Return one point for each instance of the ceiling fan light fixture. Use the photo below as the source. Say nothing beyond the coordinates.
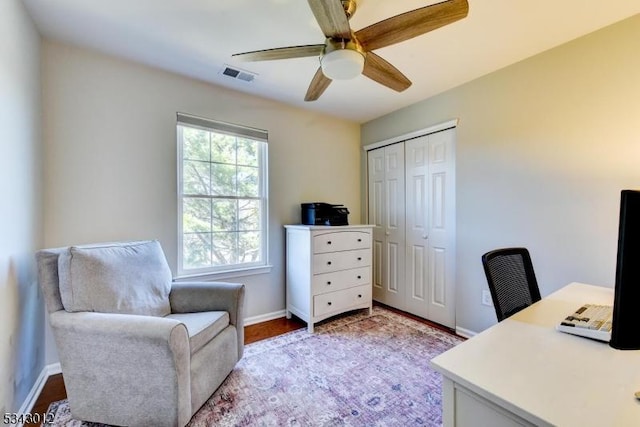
(345, 52)
(342, 64)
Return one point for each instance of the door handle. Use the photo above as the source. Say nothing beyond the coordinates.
(425, 236)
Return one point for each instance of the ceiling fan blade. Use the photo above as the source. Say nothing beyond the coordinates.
(379, 70)
(281, 53)
(331, 18)
(411, 24)
(318, 85)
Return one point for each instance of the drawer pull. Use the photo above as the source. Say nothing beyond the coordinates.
(328, 283)
(359, 240)
(329, 303)
(359, 295)
(328, 242)
(328, 262)
(359, 258)
(359, 277)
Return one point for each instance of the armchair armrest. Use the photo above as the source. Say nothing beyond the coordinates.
(191, 297)
(100, 353)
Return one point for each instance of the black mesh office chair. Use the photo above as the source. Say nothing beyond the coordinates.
(511, 279)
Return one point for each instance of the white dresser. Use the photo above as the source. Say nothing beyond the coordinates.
(328, 270)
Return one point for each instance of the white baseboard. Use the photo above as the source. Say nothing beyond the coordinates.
(465, 332)
(34, 393)
(264, 317)
(54, 368)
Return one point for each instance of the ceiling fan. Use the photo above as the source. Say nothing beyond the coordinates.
(346, 54)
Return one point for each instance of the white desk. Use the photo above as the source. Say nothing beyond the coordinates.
(524, 372)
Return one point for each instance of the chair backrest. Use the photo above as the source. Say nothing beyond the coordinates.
(47, 261)
(512, 281)
(130, 277)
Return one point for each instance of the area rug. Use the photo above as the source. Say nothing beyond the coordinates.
(358, 370)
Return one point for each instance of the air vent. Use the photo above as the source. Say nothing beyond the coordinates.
(238, 74)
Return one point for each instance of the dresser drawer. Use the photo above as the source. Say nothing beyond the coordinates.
(334, 261)
(340, 301)
(341, 241)
(328, 282)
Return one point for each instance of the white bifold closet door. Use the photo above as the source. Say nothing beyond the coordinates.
(412, 205)
(386, 212)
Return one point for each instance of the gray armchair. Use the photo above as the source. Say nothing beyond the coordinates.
(135, 348)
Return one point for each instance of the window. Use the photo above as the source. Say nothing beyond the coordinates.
(222, 197)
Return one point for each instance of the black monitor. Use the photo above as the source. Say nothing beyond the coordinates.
(625, 333)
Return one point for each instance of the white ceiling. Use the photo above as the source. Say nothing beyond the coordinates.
(197, 37)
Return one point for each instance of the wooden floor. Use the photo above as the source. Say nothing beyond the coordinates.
(54, 389)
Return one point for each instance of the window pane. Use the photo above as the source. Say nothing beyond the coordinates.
(248, 246)
(223, 148)
(247, 152)
(248, 215)
(196, 177)
(196, 215)
(224, 215)
(223, 195)
(248, 181)
(196, 144)
(197, 250)
(224, 248)
(223, 180)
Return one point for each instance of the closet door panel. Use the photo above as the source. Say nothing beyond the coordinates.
(375, 170)
(394, 226)
(417, 233)
(441, 216)
(386, 212)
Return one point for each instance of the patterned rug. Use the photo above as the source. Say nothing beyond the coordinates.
(357, 370)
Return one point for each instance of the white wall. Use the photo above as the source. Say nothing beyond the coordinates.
(110, 156)
(544, 148)
(21, 307)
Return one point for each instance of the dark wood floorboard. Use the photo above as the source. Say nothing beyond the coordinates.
(271, 328)
(54, 389)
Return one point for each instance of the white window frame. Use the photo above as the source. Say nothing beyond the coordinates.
(229, 270)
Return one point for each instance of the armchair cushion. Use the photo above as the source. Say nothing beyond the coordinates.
(125, 278)
(202, 327)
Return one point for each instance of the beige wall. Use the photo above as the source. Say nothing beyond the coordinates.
(544, 148)
(21, 309)
(110, 165)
